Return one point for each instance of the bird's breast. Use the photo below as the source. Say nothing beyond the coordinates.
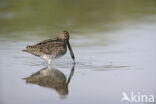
(61, 51)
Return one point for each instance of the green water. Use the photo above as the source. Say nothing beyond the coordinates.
(113, 42)
(84, 16)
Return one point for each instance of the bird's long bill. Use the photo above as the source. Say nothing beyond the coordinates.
(71, 51)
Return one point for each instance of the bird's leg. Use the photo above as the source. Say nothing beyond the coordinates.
(49, 62)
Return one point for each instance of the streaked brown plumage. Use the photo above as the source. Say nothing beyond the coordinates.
(52, 48)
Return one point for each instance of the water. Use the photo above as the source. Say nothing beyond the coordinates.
(113, 42)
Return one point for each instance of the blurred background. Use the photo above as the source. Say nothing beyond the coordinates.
(85, 16)
(113, 42)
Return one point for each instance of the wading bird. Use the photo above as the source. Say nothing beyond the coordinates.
(52, 48)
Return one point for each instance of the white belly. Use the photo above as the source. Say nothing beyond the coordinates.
(47, 57)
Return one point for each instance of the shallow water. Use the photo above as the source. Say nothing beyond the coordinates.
(113, 42)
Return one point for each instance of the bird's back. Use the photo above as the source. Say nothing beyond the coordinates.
(53, 47)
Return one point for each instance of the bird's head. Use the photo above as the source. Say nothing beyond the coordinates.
(64, 35)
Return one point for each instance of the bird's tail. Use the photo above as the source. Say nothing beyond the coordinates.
(33, 50)
(25, 50)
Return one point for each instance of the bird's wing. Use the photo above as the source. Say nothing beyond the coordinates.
(36, 49)
(45, 47)
(51, 47)
(46, 41)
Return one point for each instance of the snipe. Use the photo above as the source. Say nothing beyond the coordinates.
(52, 48)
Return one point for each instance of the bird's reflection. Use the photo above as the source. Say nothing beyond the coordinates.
(51, 78)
